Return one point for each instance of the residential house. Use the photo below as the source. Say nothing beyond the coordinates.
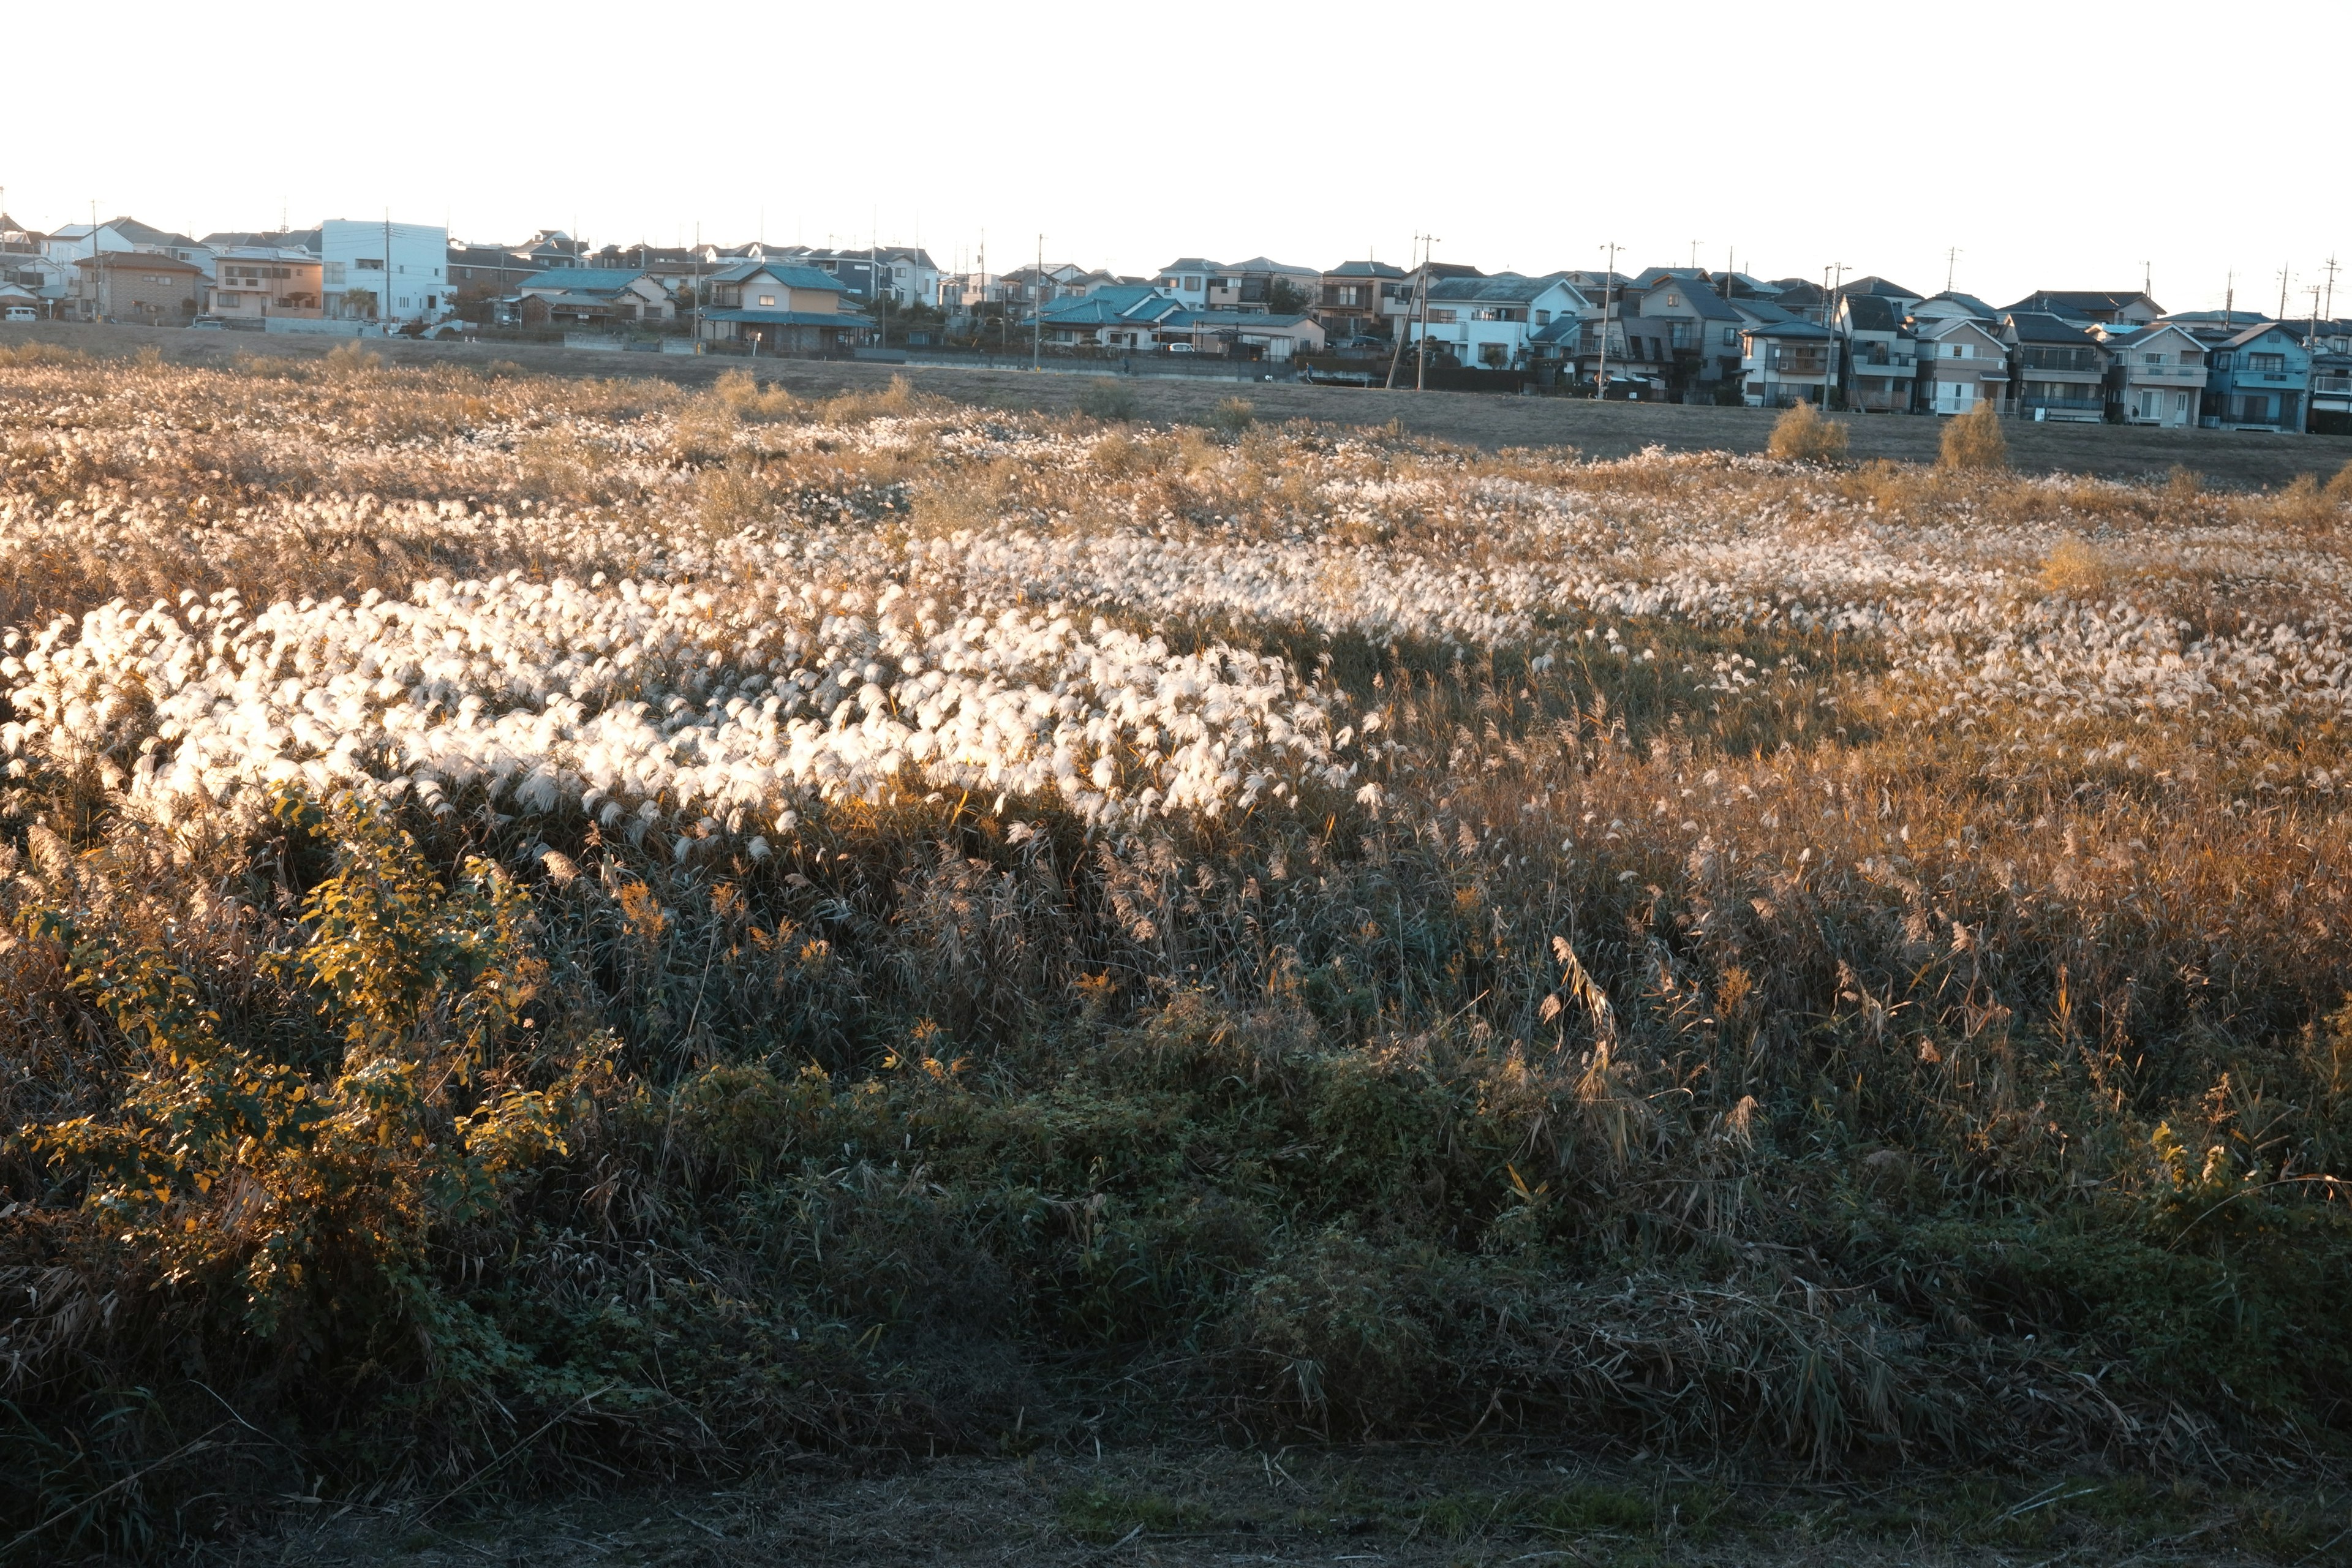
(1880, 353)
(1703, 333)
(1804, 301)
(1952, 306)
(1486, 322)
(674, 266)
(2259, 379)
(25, 265)
(2331, 392)
(136, 286)
(1787, 362)
(1364, 300)
(2155, 375)
(1245, 334)
(481, 271)
(1962, 362)
(2127, 308)
(2059, 369)
(781, 308)
(79, 241)
(374, 271)
(1186, 279)
(252, 283)
(1874, 288)
(552, 247)
(1640, 356)
(1026, 287)
(591, 297)
(1125, 317)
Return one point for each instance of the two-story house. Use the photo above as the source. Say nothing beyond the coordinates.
(1485, 322)
(1702, 334)
(779, 308)
(2331, 392)
(2108, 307)
(2059, 369)
(2259, 379)
(1878, 369)
(2155, 375)
(252, 283)
(1364, 300)
(136, 286)
(1962, 363)
(1786, 362)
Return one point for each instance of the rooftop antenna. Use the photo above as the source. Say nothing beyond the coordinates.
(1951, 265)
(1694, 245)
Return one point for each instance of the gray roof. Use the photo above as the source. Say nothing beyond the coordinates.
(1189, 264)
(1969, 302)
(1880, 288)
(1873, 313)
(783, 272)
(2250, 334)
(1700, 296)
(1791, 328)
(2042, 327)
(1365, 269)
(1504, 287)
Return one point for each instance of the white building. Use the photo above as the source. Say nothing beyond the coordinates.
(385, 271)
(1488, 321)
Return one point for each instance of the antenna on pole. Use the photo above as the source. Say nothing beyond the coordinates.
(1951, 265)
(1608, 283)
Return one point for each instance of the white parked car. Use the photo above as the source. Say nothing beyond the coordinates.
(20, 313)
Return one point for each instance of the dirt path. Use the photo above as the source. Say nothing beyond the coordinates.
(1602, 430)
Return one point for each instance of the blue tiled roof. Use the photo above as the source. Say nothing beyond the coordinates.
(790, 274)
(585, 279)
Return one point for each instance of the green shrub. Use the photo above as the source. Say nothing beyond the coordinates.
(1106, 399)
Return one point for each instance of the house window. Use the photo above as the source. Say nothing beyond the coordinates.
(1730, 336)
(767, 298)
(1441, 315)
(2266, 364)
(2152, 359)
(1543, 318)
(370, 264)
(1674, 298)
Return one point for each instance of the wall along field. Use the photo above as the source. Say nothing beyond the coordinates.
(560, 929)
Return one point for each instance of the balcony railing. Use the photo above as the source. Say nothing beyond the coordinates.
(2332, 383)
(2065, 405)
(1789, 364)
(1883, 359)
(2078, 360)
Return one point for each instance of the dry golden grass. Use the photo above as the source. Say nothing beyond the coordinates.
(1726, 1030)
(1803, 435)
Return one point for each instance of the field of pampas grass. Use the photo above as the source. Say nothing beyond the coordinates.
(561, 930)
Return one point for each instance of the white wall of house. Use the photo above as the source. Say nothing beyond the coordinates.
(1961, 363)
(411, 283)
(1494, 334)
(2160, 379)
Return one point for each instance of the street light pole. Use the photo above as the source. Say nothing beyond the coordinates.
(1608, 283)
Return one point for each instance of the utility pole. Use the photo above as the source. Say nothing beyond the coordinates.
(96, 273)
(1951, 266)
(2148, 278)
(1608, 283)
(1421, 361)
(2331, 269)
(1396, 329)
(1828, 320)
(2283, 275)
(1694, 245)
(1037, 311)
(384, 311)
(2229, 300)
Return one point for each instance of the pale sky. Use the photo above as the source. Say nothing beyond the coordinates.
(2057, 143)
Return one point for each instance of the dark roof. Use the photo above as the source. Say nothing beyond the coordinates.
(1969, 302)
(1449, 269)
(2042, 327)
(2250, 334)
(1365, 269)
(1189, 264)
(783, 272)
(1561, 329)
(1699, 294)
(2062, 301)
(1873, 313)
(1651, 276)
(1880, 288)
(1504, 287)
(1793, 327)
(1796, 291)
(133, 260)
(1268, 264)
